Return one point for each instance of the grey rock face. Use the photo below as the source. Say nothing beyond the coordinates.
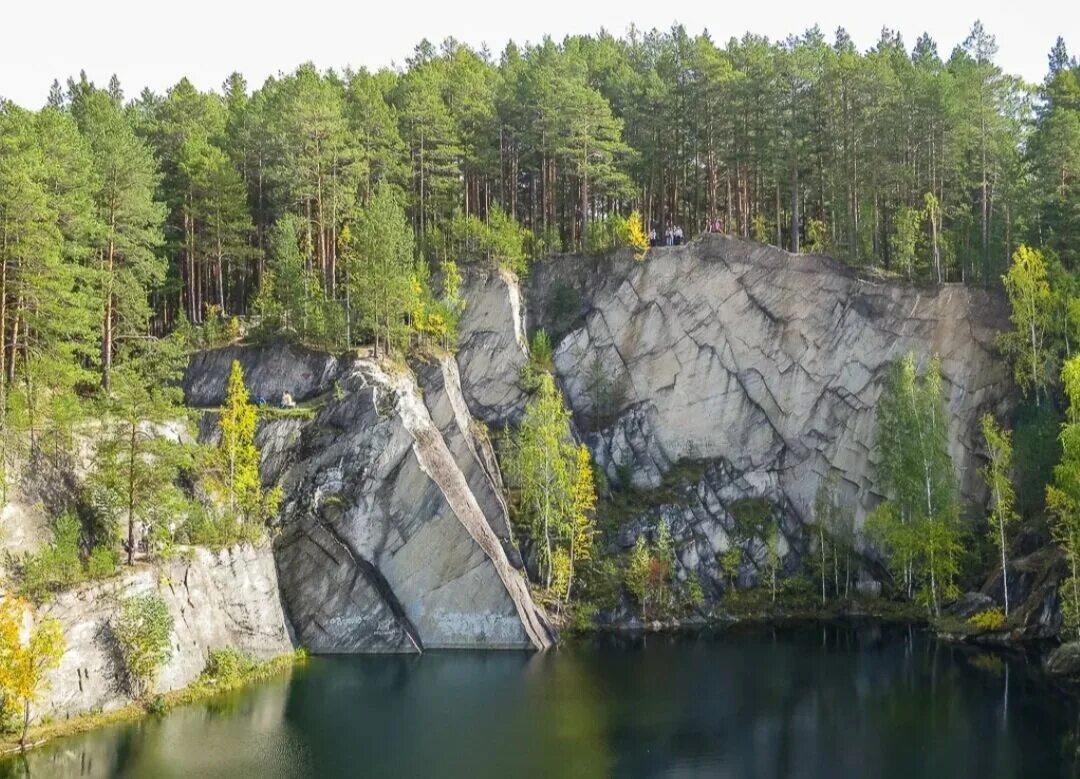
(269, 371)
(227, 599)
(725, 349)
(492, 348)
(385, 544)
(440, 385)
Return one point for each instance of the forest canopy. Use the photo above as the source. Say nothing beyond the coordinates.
(932, 164)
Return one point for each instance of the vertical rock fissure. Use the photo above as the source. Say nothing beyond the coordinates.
(378, 583)
(436, 461)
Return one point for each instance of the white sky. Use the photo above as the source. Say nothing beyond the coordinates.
(207, 39)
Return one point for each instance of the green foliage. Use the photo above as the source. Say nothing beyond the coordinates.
(138, 461)
(1002, 498)
(232, 467)
(498, 241)
(541, 361)
(102, 562)
(143, 633)
(227, 668)
(1036, 450)
(552, 487)
(730, 562)
(1031, 300)
(834, 536)
(917, 526)
(58, 566)
(989, 620)
(381, 282)
(1063, 499)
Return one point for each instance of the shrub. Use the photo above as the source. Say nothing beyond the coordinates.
(143, 631)
(695, 596)
(989, 620)
(57, 566)
(102, 562)
(227, 667)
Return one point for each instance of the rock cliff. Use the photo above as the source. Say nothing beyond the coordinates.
(761, 366)
(227, 599)
(725, 349)
(394, 531)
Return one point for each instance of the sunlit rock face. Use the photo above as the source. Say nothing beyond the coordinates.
(760, 366)
(726, 349)
(270, 370)
(216, 599)
(492, 348)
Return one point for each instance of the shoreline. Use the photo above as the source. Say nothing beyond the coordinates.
(201, 689)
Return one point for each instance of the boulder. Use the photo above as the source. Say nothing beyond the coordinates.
(1064, 661)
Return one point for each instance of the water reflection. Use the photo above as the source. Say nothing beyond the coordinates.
(830, 702)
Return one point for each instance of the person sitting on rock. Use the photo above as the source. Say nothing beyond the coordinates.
(287, 400)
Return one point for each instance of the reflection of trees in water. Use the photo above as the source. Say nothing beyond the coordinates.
(835, 701)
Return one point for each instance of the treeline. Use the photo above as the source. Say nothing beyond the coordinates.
(933, 166)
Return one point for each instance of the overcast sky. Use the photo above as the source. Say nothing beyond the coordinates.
(207, 39)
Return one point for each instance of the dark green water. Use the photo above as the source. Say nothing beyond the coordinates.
(812, 702)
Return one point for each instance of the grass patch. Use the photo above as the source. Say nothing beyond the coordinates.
(241, 672)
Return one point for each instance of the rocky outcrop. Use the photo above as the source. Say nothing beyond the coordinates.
(492, 348)
(390, 536)
(269, 371)
(772, 362)
(709, 507)
(217, 600)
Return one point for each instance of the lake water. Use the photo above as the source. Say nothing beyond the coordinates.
(835, 701)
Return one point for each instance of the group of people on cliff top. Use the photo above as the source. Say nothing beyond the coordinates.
(673, 236)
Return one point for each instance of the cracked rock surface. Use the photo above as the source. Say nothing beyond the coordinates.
(492, 348)
(269, 370)
(217, 600)
(391, 525)
(729, 350)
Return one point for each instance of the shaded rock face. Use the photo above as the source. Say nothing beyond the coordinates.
(734, 351)
(391, 531)
(1034, 601)
(217, 600)
(269, 371)
(492, 348)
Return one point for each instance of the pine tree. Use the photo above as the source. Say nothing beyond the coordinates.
(131, 216)
(381, 267)
(137, 462)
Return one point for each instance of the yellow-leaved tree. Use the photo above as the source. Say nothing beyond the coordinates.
(29, 648)
(233, 465)
(636, 235)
